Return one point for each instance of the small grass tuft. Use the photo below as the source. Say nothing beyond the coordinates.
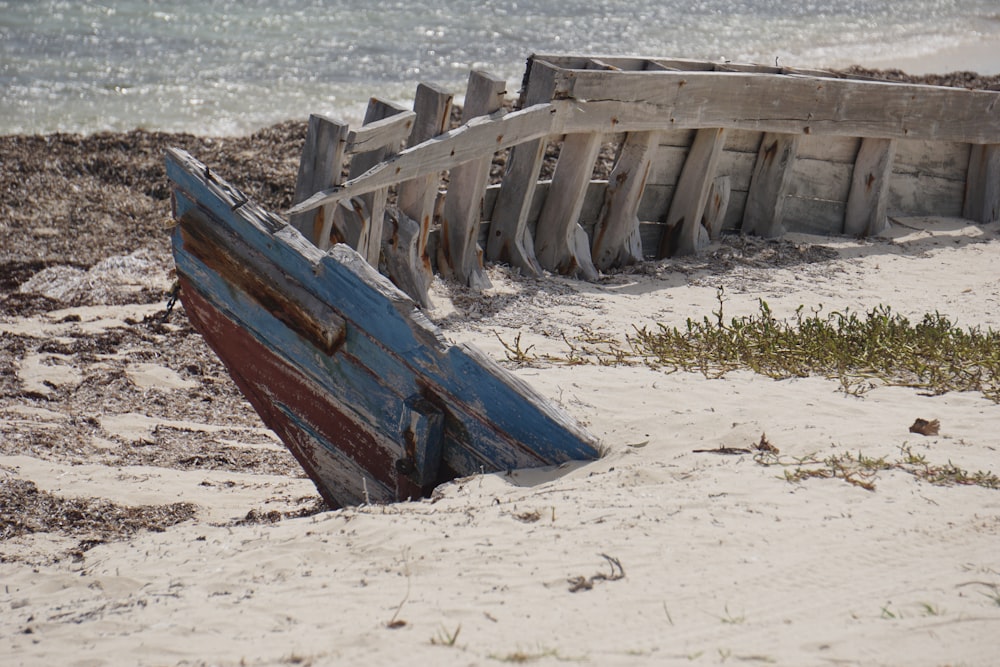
(730, 619)
(861, 471)
(931, 609)
(521, 657)
(446, 638)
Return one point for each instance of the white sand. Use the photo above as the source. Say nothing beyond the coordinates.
(724, 561)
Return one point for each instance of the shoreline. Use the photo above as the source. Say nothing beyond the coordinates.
(980, 57)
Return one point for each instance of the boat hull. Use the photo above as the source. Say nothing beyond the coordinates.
(358, 384)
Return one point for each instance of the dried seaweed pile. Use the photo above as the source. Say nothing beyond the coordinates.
(25, 509)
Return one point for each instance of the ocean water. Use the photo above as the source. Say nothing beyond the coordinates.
(226, 67)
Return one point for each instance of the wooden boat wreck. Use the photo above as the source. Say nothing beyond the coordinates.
(356, 381)
(343, 364)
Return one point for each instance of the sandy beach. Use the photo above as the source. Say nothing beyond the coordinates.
(148, 518)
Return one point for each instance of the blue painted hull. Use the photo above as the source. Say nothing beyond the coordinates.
(358, 384)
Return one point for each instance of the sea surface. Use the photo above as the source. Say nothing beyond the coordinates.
(225, 67)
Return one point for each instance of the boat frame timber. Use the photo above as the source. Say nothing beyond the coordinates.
(700, 149)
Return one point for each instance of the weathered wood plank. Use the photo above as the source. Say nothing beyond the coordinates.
(743, 141)
(433, 113)
(982, 190)
(941, 159)
(669, 163)
(869, 194)
(459, 254)
(812, 216)
(509, 239)
(688, 205)
(385, 124)
(408, 263)
(654, 206)
(562, 243)
(762, 214)
(616, 235)
(911, 194)
(828, 148)
(319, 168)
(794, 104)
(734, 212)
(715, 209)
(820, 179)
(738, 166)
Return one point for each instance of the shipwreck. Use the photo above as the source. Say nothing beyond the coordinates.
(320, 317)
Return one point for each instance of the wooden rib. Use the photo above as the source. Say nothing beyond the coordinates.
(459, 253)
(616, 235)
(982, 184)
(772, 173)
(376, 146)
(319, 169)
(560, 241)
(691, 196)
(869, 194)
(456, 147)
(405, 237)
(559, 237)
(508, 240)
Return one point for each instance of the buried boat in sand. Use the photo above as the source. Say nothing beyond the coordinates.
(342, 363)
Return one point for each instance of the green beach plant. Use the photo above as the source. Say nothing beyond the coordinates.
(860, 351)
(861, 471)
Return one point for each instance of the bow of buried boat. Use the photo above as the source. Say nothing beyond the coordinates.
(344, 367)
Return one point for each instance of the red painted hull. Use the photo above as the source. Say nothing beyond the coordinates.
(302, 415)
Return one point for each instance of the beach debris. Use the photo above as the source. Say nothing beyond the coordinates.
(580, 583)
(528, 517)
(765, 446)
(925, 427)
(725, 451)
